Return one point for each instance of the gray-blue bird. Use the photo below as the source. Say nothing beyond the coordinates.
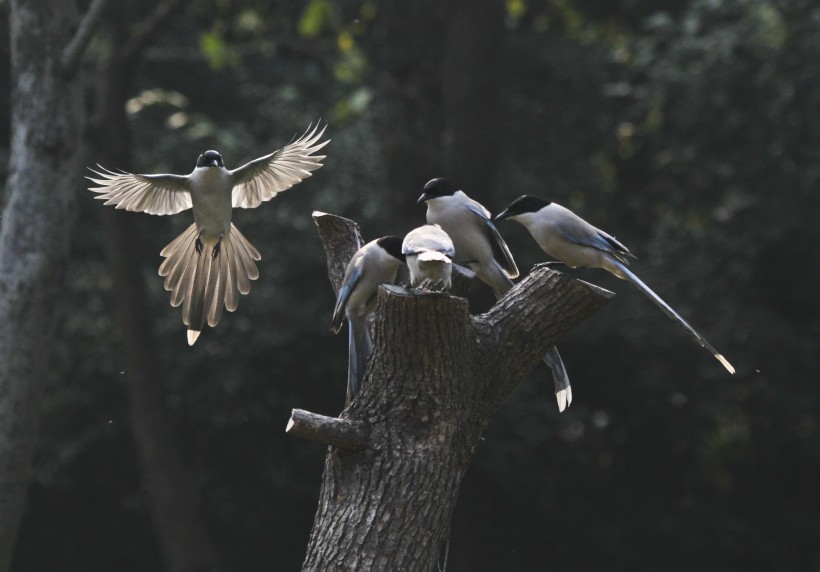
(429, 253)
(375, 263)
(567, 237)
(211, 263)
(480, 246)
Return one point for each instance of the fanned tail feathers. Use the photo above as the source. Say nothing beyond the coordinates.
(204, 283)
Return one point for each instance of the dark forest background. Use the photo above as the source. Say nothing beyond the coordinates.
(690, 129)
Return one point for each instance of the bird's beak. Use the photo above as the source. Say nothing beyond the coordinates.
(422, 198)
(501, 216)
(214, 163)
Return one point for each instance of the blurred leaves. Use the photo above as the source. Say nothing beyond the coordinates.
(315, 17)
(216, 51)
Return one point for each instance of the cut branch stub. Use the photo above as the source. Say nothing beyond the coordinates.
(341, 239)
(349, 435)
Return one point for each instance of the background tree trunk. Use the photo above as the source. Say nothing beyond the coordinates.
(474, 44)
(37, 223)
(435, 378)
(170, 487)
(438, 66)
(408, 73)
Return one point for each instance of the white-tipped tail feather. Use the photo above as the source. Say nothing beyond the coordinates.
(667, 309)
(564, 398)
(206, 280)
(563, 390)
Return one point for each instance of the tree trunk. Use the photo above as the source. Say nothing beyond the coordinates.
(437, 67)
(47, 125)
(435, 378)
(406, 55)
(470, 79)
(170, 487)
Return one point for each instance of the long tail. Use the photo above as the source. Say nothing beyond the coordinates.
(203, 282)
(563, 390)
(359, 348)
(667, 309)
(501, 284)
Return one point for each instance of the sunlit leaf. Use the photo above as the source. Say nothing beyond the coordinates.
(345, 42)
(314, 18)
(216, 51)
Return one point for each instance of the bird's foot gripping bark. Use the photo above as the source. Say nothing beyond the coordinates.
(198, 245)
(433, 285)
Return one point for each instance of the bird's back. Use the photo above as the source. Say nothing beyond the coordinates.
(210, 189)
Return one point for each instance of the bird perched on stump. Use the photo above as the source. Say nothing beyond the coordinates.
(429, 252)
(480, 246)
(211, 263)
(375, 263)
(567, 237)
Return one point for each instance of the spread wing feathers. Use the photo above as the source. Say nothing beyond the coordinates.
(501, 252)
(152, 194)
(352, 277)
(261, 179)
(204, 283)
(581, 232)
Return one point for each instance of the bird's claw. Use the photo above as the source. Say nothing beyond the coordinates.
(433, 285)
(216, 249)
(198, 245)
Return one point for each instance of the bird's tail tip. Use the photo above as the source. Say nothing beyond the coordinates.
(192, 336)
(564, 398)
(729, 367)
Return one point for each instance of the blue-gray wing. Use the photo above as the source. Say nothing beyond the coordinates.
(265, 177)
(579, 231)
(501, 252)
(351, 279)
(152, 194)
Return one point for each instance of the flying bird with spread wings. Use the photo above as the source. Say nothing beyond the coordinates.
(211, 263)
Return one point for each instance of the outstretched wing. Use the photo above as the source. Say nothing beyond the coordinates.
(261, 179)
(152, 194)
(501, 252)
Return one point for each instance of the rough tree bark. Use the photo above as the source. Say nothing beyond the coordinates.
(170, 487)
(436, 377)
(35, 231)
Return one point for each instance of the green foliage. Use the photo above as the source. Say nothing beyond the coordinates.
(216, 51)
(315, 17)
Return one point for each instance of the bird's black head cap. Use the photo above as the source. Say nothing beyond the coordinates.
(521, 205)
(210, 159)
(392, 245)
(436, 188)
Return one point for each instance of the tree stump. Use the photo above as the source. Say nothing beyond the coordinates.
(436, 377)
